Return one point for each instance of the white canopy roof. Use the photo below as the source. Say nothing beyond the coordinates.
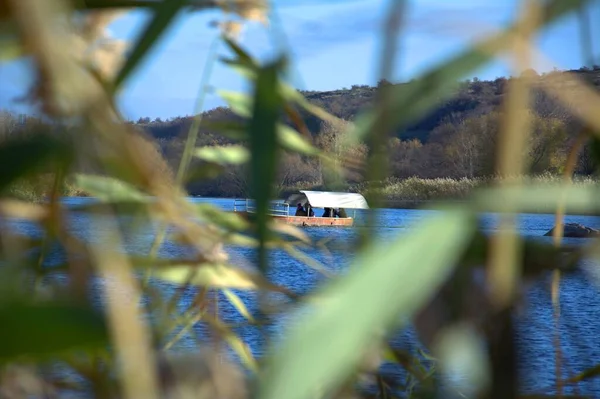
(325, 199)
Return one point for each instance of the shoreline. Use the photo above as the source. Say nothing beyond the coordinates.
(395, 204)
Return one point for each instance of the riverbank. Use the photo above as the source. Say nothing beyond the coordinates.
(410, 193)
(37, 189)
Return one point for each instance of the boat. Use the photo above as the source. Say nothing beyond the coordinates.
(315, 200)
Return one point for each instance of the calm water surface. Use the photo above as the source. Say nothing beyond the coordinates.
(580, 308)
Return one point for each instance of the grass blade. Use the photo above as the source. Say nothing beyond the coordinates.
(387, 281)
(46, 329)
(538, 198)
(109, 189)
(233, 154)
(411, 101)
(238, 304)
(291, 140)
(213, 275)
(267, 109)
(240, 103)
(164, 13)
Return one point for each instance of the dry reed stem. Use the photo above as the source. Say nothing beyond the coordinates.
(170, 201)
(64, 87)
(505, 245)
(555, 294)
(493, 44)
(556, 237)
(585, 35)
(249, 10)
(130, 337)
(377, 166)
(581, 99)
(568, 180)
(23, 210)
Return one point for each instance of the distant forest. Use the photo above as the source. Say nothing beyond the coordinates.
(456, 140)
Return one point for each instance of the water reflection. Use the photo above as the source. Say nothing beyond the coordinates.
(579, 325)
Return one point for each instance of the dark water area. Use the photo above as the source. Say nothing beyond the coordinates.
(580, 309)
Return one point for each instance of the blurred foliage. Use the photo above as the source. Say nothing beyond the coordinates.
(457, 140)
(57, 339)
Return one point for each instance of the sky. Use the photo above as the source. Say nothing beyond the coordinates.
(334, 44)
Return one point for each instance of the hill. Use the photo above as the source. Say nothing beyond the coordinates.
(456, 140)
(471, 97)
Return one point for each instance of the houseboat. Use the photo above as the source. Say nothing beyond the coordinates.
(311, 208)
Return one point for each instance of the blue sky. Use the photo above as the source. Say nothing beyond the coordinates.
(335, 45)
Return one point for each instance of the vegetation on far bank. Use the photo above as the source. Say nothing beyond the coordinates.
(444, 155)
(100, 331)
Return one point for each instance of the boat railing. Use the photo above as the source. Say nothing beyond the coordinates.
(276, 208)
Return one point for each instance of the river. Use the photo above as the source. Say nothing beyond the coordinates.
(580, 307)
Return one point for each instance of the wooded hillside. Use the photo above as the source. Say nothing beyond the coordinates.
(456, 140)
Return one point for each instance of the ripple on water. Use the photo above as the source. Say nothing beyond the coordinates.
(578, 328)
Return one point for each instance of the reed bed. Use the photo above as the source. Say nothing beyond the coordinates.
(425, 277)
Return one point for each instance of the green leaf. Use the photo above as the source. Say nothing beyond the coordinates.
(238, 346)
(243, 57)
(289, 93)
(122, 208)
(291, 140)
(242, 350)
(248, 68)
(223, 155)
(241, 240)
(206, 171)
(535, 197)
(228, 220)
(287, 137)
(411, 101)
(44, 329)
(586, 375)
(212, 275)
(164, 13)
(108, 189)
(238, 304)
(266, 112)
(244, 70)
(239, 103)
(20, 157)
(387, 283)
(232, 129)
(289, 230)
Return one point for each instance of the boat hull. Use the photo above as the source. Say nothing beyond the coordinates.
(306, 221)
(315, 221)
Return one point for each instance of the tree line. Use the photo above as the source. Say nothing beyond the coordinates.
(457, 139)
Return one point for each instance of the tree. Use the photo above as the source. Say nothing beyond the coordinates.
(586, 162)
(546, 148)
(293, 171)
(347, 157)
(9, 124)
(405, 157)
(469, 144)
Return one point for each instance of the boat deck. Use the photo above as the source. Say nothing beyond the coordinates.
(279, 211)
(315, 221)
